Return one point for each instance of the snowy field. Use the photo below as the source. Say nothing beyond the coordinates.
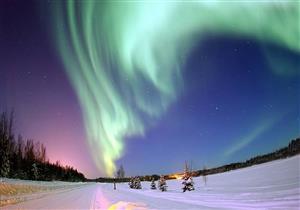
(274, 185)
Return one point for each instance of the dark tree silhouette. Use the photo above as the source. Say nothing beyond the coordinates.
(27, 159)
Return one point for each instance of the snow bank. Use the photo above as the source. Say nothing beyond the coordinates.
(16, 190)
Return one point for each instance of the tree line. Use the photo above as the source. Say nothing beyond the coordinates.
(26, 159)
(292, 149)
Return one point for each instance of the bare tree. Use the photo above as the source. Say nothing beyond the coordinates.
(204, 175)
(121, 172)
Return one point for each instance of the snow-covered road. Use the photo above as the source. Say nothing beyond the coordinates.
(100, 196)
(273, 185)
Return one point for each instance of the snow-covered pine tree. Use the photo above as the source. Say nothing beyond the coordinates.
(5, 139)
(135, 183)
(35, 171)
(5, 168)
(162, 184)
(138, 184)
(153, 185)
(188, 183)
(131, 185)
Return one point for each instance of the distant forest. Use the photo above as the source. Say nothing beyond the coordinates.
(26, 159)
(292, 149)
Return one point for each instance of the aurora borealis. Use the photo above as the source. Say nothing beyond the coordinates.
(112, 50)
(130, 66)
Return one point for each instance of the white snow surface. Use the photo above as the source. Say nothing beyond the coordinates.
(273, 185)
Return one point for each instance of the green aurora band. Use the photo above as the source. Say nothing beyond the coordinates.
(124, 59)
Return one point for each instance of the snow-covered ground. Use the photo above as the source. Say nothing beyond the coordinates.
(273, 185)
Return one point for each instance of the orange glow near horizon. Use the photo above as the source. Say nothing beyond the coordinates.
(177, 176)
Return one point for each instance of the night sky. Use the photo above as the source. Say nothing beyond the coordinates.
(138, 94)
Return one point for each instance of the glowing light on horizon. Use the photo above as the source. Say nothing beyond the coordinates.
(177, 176)
(124, 59)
